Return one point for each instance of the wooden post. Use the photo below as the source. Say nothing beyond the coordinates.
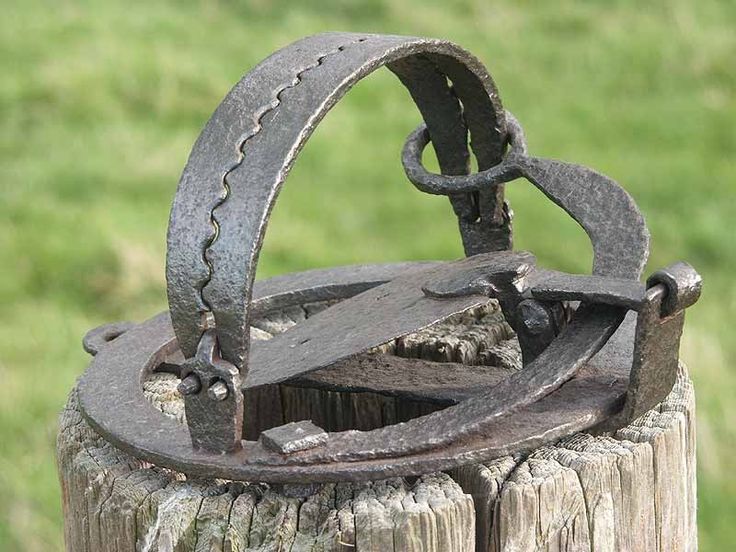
(634, 490)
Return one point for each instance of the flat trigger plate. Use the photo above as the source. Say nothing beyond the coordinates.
(370, 319)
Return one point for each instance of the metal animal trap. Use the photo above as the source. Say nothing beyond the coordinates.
(598, 350)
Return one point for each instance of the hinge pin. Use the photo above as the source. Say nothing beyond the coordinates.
(218, 391)
(190, 385)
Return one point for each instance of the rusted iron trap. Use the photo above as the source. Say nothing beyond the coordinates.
(598, 350)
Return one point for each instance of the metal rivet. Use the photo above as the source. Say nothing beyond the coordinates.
(190, 385)
(534, 316)
(218, 391)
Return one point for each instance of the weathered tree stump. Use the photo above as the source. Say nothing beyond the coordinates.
(633, 490)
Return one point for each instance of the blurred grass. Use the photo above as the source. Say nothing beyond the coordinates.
(101, 101)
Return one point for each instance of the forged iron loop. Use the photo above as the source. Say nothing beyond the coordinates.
(97, 338)
(683, 284)
(440, 184)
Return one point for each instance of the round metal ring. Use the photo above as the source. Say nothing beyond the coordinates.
(99, 337)
(439, 184)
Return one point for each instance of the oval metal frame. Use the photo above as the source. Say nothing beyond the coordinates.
(112, 400)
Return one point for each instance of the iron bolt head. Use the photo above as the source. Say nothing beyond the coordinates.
(218, 391)
(534, 316)
(190, 385)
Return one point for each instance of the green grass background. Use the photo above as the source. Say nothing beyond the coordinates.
(100, 102)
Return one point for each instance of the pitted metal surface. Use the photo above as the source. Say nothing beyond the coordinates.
(597, 365)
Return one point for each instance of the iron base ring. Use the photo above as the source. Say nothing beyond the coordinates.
(133, 424)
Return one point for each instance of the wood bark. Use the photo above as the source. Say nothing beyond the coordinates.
(632, 490)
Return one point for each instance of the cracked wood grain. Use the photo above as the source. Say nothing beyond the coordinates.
(632, 490)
